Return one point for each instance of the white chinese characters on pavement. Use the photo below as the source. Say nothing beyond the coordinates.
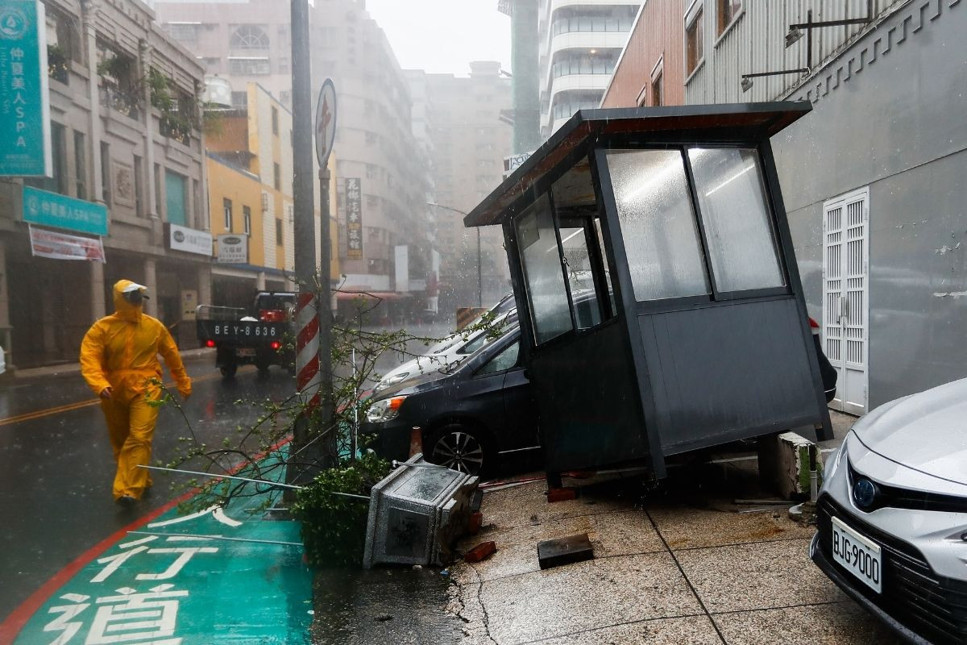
(129, 615)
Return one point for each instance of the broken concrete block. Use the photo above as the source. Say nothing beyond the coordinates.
(480, 552)
(573, 548)
(561, 494)
(784, 464)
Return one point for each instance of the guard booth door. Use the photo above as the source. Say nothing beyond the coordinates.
(579, 359)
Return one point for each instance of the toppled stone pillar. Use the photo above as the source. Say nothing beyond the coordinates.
(784, 465)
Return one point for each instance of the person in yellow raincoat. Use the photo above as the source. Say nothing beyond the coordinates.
(119, 361)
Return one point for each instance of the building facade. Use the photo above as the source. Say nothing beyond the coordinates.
(127, 142)
(240, 42)
(460, 126)
(386, 248)
(250, 195)
(579, 46)
(873, 179)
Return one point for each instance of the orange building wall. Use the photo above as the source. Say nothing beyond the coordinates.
(659, 35)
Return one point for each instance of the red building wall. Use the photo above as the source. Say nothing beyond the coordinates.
(656, 43)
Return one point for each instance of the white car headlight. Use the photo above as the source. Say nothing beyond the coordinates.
(393, 380)
(385, 409)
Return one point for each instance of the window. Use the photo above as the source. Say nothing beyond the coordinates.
(506, 359)
(541, 262)
(582, 247)
(658, 224)
(278, 232)
(249, 37)
(176, 198)
(275, 120)
(727, 11)
(247, 219)
(157, 188)
(277, 176)
(256, 66)
(184, 32)
(227, 212)
(58, 183)
(106, 173)
(656, 90)
(738, 223)
(80, 165)
(138, 186)
(694, 35)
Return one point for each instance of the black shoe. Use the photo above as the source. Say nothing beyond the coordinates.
(126, 502)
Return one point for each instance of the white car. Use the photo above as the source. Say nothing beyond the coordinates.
(449, 352)
(892, 515)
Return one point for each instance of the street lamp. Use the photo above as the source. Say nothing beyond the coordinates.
(479, 271)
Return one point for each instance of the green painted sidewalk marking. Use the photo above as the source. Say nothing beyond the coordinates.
(173, 587)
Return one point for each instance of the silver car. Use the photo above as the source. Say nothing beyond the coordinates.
(892, 515)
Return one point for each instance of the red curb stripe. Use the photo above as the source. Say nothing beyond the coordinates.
(12, 625)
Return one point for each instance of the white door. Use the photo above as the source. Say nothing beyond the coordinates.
(845, 297)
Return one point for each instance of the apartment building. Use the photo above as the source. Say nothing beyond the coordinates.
(127, 152)
(462, 128)
(579, 46)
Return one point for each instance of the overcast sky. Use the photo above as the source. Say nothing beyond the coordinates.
(443, 36)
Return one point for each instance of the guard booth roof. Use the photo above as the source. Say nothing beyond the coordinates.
(742, 122)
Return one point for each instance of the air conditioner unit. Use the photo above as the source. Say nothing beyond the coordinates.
(265, 201)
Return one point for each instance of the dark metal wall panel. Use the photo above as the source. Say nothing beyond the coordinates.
(720, 376)
(588, 396)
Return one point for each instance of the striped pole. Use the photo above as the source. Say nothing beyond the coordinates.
(308, 378)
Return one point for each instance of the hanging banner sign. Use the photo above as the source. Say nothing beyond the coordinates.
(354, 220)
(61, 246)
(50, 209)
(24, 100)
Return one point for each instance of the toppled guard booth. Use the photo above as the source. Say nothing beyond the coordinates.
(661, 307)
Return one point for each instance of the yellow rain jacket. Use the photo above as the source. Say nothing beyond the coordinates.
(120, 351)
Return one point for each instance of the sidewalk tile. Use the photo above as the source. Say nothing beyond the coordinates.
(831, 624)
(762, 575)
(689, 528)
(514, 507)
(694, 630)
(586, 595)
(611, 534)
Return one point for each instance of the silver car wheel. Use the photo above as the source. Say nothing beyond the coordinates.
(459, 450)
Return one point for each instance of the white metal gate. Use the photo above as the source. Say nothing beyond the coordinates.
(845, 297)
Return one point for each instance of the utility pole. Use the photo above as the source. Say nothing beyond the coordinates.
(303, 462)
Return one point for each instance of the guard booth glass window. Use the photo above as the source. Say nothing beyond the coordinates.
(658, 224)
(541, 261)
(576, 209)
(736, 216)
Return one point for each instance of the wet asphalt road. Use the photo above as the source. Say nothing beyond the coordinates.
(56, 467)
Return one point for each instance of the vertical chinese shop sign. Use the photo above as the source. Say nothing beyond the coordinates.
(354, 220)
(24, 102)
